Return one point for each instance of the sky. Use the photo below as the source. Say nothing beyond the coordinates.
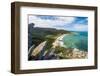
(69, 23)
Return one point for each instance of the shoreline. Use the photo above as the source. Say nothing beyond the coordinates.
(59, 41)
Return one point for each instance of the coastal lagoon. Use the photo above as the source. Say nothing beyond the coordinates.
(57, 37)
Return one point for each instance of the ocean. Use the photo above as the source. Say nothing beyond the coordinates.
(77, 40)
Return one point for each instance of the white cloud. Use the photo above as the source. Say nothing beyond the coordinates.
(67, 19)
(80, 27)
(50, 23)
(58, 23)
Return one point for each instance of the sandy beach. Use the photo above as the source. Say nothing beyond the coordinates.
(59, 41)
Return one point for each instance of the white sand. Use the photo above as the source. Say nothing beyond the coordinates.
(59, 41)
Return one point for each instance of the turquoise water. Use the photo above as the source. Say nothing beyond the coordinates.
(77, 40)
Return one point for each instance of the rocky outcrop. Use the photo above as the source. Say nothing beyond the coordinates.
(79, 54)
(75, 54)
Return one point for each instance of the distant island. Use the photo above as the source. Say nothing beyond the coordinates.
(48, 43)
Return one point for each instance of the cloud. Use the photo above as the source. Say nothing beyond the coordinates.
(81, 20)
(48, 22)
(47, 17)
(66, 23)
(79, 27)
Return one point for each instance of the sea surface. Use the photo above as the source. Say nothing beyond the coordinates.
(77, 40)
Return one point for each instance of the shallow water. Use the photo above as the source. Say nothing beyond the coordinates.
(77, 40)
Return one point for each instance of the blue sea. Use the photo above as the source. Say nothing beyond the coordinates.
(77, 40)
